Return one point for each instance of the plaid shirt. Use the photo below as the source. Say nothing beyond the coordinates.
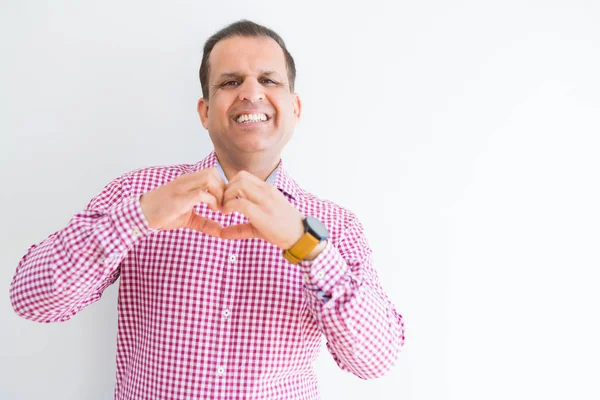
(200, 317)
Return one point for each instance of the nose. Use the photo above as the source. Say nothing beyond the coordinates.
(251, 90)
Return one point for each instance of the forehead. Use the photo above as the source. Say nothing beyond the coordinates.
(246, 55)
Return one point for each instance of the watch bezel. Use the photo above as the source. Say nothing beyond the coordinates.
(315, 228)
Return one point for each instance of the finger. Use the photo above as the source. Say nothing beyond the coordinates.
(244, 206)
(240, 231)
(208, 178)
(204, 225)
(216, 185)
(249, 189)
(203, 197)
(193, 180)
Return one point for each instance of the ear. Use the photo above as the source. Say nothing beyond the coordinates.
(203, 112)
(297, 106)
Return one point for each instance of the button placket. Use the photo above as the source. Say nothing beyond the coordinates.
(229, 281)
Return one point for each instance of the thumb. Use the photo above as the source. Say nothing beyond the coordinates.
(240, 231)
(204, 225)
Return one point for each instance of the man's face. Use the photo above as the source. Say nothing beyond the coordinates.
(250, 107)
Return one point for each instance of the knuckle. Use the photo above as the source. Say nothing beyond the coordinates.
(272, 192)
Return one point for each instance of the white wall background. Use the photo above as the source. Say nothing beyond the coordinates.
(464, 134)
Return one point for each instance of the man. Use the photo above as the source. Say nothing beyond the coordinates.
(230, 272)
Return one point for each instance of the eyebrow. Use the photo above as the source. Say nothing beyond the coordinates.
(239, 74)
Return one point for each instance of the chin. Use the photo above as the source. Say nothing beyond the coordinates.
(252, 144)
(252, 147)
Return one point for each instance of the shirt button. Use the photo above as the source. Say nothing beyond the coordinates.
(320, 274)
(136, 232)
(226, 313)
(307, 278)
(221, 371)
(232, 259)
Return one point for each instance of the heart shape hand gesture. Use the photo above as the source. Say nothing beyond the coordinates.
(271, 217)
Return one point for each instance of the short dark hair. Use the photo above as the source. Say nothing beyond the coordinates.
(243, 28)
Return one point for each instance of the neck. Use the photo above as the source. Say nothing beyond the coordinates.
(260, 166)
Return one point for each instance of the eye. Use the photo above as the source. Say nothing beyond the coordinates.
(230, 83)
(268, 81)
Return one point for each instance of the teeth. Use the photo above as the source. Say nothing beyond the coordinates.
(252, 118)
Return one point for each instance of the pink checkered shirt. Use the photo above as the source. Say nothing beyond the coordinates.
(204, 318)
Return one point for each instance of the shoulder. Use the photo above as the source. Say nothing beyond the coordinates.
(136, 182)
(336, 217)
(145, 179)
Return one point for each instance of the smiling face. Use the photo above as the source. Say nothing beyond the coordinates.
(250, 110)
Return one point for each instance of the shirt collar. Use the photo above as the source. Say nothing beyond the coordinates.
(272, 178)
(279, 177)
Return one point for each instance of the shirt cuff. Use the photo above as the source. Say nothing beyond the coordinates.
(129, 223)
(325, 271)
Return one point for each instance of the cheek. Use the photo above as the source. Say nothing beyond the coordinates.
(285, 108)
(217, 113)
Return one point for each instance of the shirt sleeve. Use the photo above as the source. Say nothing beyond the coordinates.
(363, 330)
(71, 268)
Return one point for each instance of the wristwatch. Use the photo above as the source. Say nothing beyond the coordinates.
(314, 233)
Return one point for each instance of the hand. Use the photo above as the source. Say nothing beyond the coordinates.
(271, 216)
(171, 206)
